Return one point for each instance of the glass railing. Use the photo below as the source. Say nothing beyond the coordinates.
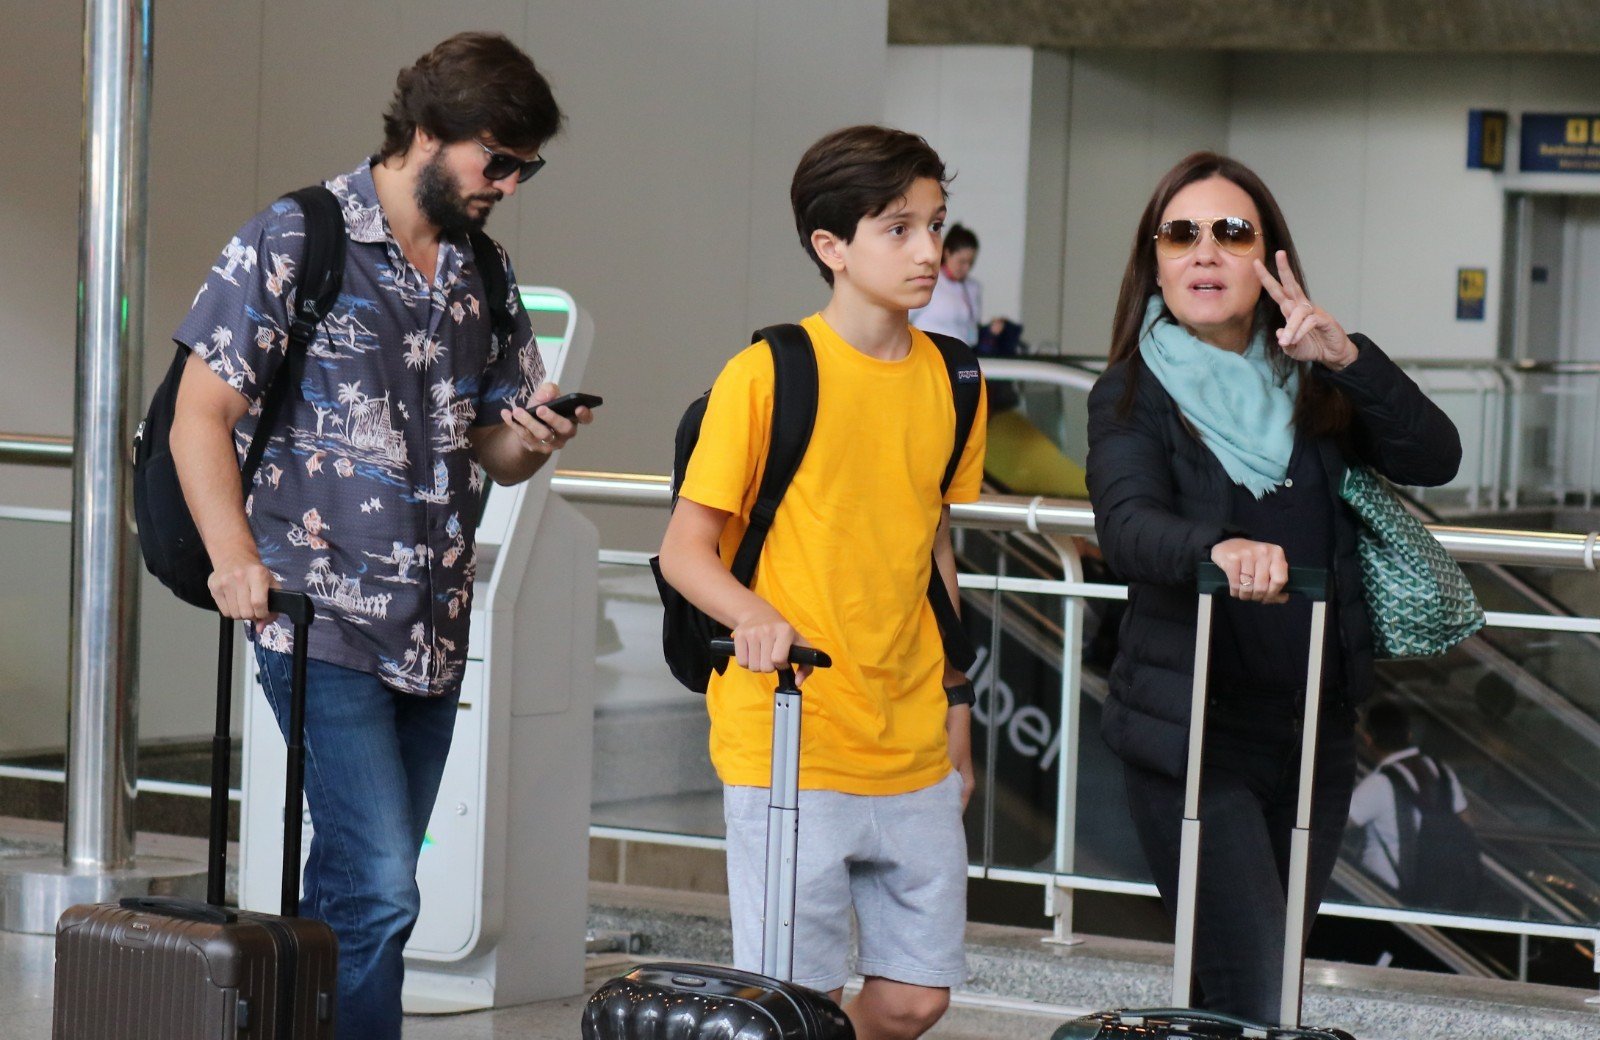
(175, 688)
(1504, 710)
(1515, 711)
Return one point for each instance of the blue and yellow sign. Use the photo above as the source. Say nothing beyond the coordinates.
(1486, 139)
(1472, 292)
(1568, 143)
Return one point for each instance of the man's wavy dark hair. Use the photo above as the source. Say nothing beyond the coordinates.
(472, 84)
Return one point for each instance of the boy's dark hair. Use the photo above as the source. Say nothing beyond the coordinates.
(1388, 726)
(958, 237)
(854, 173)
(473, 83)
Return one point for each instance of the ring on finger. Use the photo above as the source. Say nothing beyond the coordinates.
(1245, 581)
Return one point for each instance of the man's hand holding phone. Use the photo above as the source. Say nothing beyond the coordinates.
(553, 420)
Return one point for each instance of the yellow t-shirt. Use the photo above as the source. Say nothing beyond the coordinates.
(846, 562)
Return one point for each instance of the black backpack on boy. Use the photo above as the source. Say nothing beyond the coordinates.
(168, 539)
(686, 631)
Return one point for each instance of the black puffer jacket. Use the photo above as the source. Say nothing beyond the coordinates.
(1162, 500)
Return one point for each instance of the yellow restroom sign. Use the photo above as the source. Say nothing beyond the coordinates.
(1472, 293)
(1486, 140)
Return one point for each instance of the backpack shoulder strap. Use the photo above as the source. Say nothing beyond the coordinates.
(1406, 825)
(317, 287)
(321, 266)
(966, 390)
(966, 387)
(1404, 781)
(487, 256)
(794, 414)
(1433, 786)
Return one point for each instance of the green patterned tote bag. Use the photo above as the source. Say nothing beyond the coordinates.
(1421, 604)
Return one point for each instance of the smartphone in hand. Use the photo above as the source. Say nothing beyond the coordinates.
(567, 405)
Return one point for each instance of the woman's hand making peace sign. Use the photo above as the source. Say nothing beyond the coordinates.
(1309, 333)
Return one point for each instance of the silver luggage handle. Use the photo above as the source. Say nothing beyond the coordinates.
(783, 812)
(1312, 583)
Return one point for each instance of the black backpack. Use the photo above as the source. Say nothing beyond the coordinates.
(686, 631)
(1440, 860)
(168, 539)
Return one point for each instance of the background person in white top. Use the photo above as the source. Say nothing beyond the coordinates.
(956, 308)
(1372, 805)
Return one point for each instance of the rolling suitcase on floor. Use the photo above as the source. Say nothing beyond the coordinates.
(153, 968)
(670, 1001)
(1179, 1020)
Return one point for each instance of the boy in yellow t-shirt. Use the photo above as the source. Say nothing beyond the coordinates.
(885, 761)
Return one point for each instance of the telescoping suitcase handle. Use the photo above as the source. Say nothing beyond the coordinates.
(783, 812)
(1210, 579)
(805, 656)
(296, 606)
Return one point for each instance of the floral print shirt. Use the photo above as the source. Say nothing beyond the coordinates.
(368, 495)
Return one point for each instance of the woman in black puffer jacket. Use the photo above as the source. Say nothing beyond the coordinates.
(1221, 431)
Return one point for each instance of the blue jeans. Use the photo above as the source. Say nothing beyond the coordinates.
(374, 757)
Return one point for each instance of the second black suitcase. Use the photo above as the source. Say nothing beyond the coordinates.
(1179, 1020)
(176, 969)
(671, 1001)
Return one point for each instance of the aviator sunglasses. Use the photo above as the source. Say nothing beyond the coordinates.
(1236, 235)
(500, 165)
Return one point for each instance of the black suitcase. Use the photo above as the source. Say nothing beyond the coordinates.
(1179, 1020)
(670, 1001)
(175, 969)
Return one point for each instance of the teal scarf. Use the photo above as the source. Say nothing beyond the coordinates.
(1236, 402)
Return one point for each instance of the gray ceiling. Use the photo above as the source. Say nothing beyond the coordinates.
(1437, 26)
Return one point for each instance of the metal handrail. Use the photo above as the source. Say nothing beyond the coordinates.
(1042, 515)
(1574, 368)
(1026, 370)
(36, 449)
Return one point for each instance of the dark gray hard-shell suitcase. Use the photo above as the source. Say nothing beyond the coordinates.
(177, 969)
(1180, 1020)
(671, 1001)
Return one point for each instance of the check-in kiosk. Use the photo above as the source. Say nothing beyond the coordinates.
(504, 868)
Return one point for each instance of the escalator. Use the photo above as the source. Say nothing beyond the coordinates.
(1516, 712)
(1528, 808)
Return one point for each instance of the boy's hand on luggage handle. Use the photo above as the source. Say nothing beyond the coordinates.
(762, 642)
(1257, 571)
(239, 584)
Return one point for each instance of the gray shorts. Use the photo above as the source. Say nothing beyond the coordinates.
(899, 860)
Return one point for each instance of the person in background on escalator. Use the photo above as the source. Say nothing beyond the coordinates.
(1022, 459)
(956, 307)
(1220, 431)
(1418, 837)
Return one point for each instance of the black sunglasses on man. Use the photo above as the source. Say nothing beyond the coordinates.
(500, 165)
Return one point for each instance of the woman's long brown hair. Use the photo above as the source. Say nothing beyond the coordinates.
(1319, 410)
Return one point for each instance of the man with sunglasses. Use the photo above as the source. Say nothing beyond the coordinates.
(369, 491)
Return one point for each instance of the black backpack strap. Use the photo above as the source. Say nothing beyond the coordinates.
(1407, 802)
(316, 289)
(493, 272)
(794, 413)
(966, 389)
